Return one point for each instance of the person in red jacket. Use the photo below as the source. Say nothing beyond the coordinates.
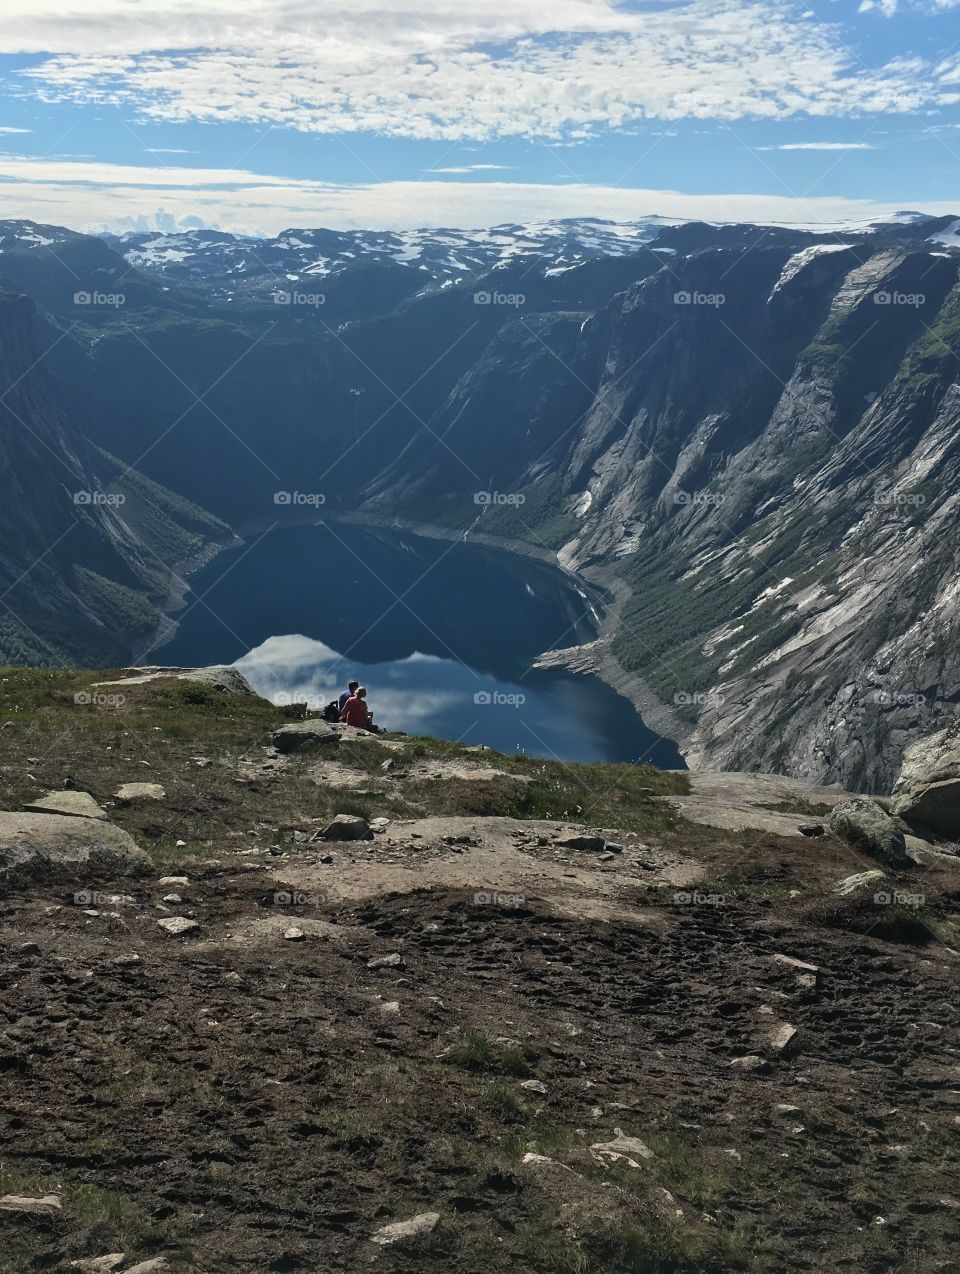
(355, 711)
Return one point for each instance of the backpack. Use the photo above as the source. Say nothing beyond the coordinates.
(332, 711)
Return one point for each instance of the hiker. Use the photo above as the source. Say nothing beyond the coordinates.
(353, 687)
(355, 711)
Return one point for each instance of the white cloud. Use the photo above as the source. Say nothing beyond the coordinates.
(96, 196)
(472, 168)
(14, 130)
(449, 70)
(820, 146)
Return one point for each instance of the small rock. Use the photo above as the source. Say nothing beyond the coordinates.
(400, 1231)
(799, 966)
(178, 924)
(174, 880)
(588, 844)
(612, 847)
(534, 1086)
(784, 1108)
(28, 949)
(379, 824)
(140, 792)
(46, 1205)
(305, 734)
(181, 844)
(99, 1264)
(293, 934)
(811, 829)
(392, 961)
(390, 1006)
(851, 884)
(347, 827)
(130, 957)
(172, 898)
(751, 1062)
(622, 1147)
(153, 1266)
(782, 1039)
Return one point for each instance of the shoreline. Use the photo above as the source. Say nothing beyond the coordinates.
(595, 658)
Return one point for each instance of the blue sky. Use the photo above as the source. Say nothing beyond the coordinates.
(254, 115)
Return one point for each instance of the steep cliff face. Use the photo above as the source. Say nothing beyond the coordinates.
(764, 445)
(87, 546)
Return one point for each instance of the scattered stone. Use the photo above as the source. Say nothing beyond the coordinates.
(392, 961)
(80, 804)
(401, 1231)
(797, 966)
(174, 880)
(622, 1147)
(178, 924)
(811, 829)
(782, 1039)
(293, 934)
(140, 792)
(751, 1062)
(28, 949)
(181, 844)
(862, 823)
(387, 765)
(390, 1006)
(46, 1205)
(612, 847)
(854, 883)
(172, 898)
(534, 1086)
(153, 1266)
(300, 735)
(379, 824)
(122, 960)
(99, 1264)
(784, 1108)
(347, 827)
(586, 843)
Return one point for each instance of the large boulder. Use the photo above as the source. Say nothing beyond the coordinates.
(862, 823)
(305, 734)
(927, 790)
(66, 847)
(80, 804)
(219, 677)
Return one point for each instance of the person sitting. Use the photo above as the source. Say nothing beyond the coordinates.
(352, 690)
(355, 711)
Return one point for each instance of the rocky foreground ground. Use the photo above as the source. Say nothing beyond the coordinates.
(271, 1003)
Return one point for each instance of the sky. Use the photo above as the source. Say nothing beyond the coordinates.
(258, 115)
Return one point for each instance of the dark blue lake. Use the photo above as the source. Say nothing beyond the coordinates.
(441, 632)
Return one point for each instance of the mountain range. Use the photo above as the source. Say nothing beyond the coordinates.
(749, 434)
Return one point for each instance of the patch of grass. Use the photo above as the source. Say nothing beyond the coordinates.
(475, 1051)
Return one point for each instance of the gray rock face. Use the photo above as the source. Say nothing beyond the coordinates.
(927, 790)
(305, 734)
(64, 846)
(862, 823)
(81, 804)
(227, 680)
